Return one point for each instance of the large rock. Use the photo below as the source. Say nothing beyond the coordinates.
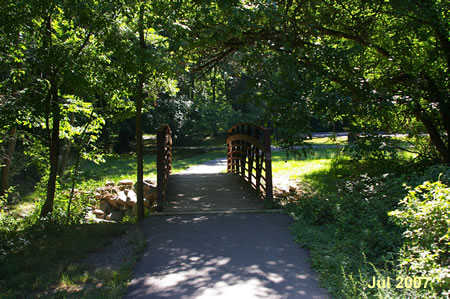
(99, 213)
(121, 198)
(115, 215)
(113, 201)
(109, 183)
(152, 197)
(147, 203)
(126, 183)
(107, 195)
(105, 206)
(149, 187)
(150, 182)
(131, 198)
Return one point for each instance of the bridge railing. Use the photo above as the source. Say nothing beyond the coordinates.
(163, 163)
(249, 155)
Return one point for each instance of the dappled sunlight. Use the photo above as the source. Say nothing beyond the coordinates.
(240, 289)
(118, 168)
(185, 259)
(194, 191)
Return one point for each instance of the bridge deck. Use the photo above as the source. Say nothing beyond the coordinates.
(218, 192)
(205, 188)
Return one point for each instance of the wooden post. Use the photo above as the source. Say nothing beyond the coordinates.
(163, 163)
(248, 154)
(268, 158)
(258, 170)
(160, 168)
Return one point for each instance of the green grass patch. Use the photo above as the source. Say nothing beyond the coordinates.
(285, 164)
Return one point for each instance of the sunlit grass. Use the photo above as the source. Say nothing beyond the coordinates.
(296, 168)
(341, 140)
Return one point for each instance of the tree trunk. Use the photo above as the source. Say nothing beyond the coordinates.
(435, 137)
(7, 160)
(352, 134)
(213, 89)
(139, 99)
(54, 150)
(213, 86)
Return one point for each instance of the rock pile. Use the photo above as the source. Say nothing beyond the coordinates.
(117, 201)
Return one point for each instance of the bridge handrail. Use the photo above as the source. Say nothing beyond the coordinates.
(248, 149)
(163, 163)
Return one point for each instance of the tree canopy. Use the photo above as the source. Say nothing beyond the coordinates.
(202, 65)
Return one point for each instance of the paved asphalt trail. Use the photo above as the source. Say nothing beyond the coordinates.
(238, 256)
(222, 256)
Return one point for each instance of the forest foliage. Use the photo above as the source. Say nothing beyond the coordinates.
(368, 66)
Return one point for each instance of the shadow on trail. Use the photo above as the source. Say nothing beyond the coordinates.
(241, 255)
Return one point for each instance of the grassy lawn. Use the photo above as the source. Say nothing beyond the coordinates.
(287, 165)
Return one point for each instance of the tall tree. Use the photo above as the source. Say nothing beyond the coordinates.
(139, 102)
(139, 55)
(59, 42)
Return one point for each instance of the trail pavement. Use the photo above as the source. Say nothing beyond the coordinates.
(222, 255)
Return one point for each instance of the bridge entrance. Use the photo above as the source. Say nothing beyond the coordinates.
(241, 182)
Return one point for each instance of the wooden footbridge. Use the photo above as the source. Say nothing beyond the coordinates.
(245, 186)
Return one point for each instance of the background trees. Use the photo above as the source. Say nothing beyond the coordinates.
(204, 65)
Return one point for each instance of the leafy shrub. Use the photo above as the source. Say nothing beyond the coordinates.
(425, 217)
(315, 210)
(373, 147)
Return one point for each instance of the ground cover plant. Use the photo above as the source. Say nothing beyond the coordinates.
(363, 220)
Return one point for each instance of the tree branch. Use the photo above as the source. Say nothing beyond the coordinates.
(355, 38)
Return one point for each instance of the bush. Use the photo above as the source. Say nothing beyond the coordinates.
(373, 147)
(425, 217)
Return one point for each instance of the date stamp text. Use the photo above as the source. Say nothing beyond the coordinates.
(400, 282)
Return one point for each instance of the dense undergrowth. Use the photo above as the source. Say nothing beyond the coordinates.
(364, 220)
